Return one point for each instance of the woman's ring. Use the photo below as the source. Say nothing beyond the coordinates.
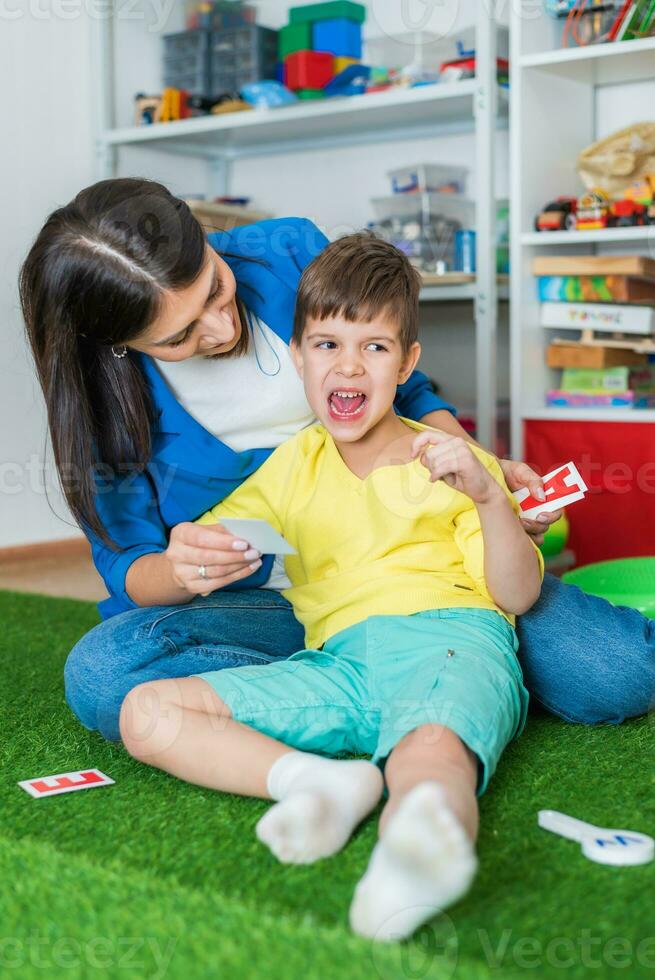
(202, 571)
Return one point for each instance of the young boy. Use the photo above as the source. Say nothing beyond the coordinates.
(411, 563)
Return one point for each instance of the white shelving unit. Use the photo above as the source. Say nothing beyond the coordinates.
(430, 111)
(553, 117)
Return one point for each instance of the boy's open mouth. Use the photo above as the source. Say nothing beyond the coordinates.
(346, 404)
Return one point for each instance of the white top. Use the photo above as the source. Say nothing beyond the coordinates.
(255, 401)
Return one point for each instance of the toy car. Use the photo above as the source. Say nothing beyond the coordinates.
(557, 215)
(626, 213)
(592, 211)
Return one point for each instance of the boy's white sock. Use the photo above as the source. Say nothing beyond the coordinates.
(321, 803)
(424, 862)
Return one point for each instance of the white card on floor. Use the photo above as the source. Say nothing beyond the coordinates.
(259, 535)
(65, 782)
(562, 487)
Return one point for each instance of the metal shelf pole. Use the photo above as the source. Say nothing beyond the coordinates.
(486, 298)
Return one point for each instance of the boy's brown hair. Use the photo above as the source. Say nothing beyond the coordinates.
(360, 277)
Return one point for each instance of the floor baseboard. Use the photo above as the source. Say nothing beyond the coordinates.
(65, 548)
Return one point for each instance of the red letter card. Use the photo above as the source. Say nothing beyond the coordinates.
(65, 782)
(562, 487)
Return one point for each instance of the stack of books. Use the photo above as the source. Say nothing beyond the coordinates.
(635, 19)
(616, 387)
(604, 308)
(604, 305)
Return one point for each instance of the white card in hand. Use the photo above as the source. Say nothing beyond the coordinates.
(259, 535)
(562, 487)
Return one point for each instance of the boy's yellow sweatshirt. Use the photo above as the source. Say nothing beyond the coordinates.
(391, 544)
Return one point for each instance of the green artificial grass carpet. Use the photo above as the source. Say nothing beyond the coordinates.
(156, 878)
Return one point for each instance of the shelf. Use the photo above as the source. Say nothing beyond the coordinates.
(476, 106)
(455, 287)
(592, 414)
(357, 118)
(643, 233)
(598, 64)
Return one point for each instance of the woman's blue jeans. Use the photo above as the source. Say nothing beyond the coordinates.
(583, 659)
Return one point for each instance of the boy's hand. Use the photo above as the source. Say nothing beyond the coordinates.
(450, 458)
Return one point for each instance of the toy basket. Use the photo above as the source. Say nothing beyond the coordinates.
(623, 582)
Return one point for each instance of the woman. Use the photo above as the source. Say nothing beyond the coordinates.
(163, 357)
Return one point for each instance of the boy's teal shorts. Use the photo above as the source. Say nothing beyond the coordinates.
(375, 682)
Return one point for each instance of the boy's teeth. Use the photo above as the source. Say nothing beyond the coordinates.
(345, 403)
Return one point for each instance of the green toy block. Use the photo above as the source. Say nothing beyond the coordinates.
(310, 93)
(294, 37)
(334, 10)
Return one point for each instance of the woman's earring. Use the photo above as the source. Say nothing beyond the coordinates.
(122, 352)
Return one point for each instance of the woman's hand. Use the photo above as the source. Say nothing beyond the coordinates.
(450, 458)
(225, 557)
(518, 475)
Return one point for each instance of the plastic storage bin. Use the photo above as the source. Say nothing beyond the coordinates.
(623, 581)
(426, 207)
(186, 61)
(241, 56)
(429, 177)
(423, 226)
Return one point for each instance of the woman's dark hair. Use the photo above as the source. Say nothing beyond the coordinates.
(93, 279)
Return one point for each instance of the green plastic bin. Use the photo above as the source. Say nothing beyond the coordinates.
(624, 582)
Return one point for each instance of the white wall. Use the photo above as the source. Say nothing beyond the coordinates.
(46, 157)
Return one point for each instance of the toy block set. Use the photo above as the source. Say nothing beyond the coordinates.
(610, 301)
(319, 48)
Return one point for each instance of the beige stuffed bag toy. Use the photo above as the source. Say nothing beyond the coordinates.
(613, 163)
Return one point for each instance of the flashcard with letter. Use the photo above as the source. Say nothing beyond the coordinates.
(65, 782)
(562, 487)
(259, 535)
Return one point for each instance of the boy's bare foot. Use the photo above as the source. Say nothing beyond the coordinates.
(321, 803)
(423, 863)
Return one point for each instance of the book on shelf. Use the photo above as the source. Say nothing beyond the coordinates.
(608, 380)
(634, 22)
(556, 398)
(610, 317)
(595, 289)
(635, 266)
(577, 355)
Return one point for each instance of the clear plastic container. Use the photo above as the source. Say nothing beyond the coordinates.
(426, 208)
(430, 178)
(424, 226)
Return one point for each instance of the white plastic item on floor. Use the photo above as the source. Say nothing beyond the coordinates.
(600, 844)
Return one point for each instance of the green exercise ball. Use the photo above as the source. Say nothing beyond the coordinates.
(556, 537)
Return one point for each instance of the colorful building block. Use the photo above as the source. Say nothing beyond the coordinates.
(340, 37)
(340, 64)
(311, 12)
(294, 37)
(310, 93)
(308, 69)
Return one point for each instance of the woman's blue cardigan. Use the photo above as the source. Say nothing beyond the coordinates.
(190, 469)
